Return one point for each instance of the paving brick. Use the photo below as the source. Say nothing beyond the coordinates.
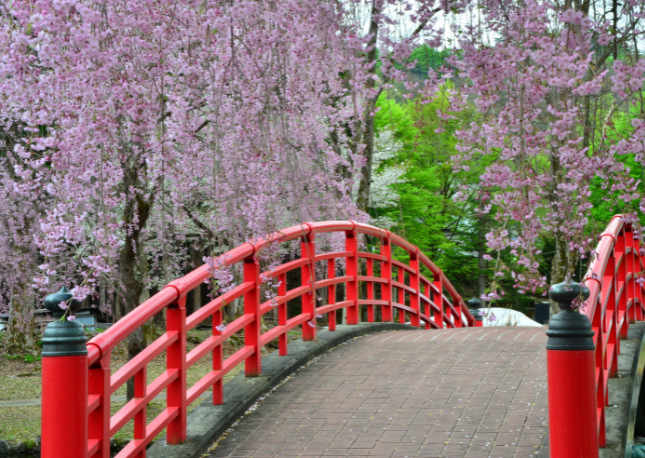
(431, 394)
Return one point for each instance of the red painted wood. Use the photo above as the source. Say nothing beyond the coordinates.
(218, 357)
(253, 365)
(331, 293)
(64, 417)
(100, 385)
(573, 429)
(386, 272)
(370, 291)
(99, 417)
(401, 293)
(140, 419)
(437, 298)
(351, 244)
(282, 314)
(176, 360)
(308, 279)
(426, 293)
(415, 284)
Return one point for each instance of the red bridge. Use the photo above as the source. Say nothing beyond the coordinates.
(444, 389)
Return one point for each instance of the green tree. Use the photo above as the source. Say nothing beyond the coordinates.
(435, 207)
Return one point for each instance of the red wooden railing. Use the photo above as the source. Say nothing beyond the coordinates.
(615, 301)
(427, 302)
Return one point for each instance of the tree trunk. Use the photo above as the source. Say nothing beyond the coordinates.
(481, 262)
(22, 334)
(562, 267)
(197, 292)
(131, 278)
(102, 293)
(364, 188)
(363, 197)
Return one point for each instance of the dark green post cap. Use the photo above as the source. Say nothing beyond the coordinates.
(63, 338)
(569, 329)
(475, 303)
(52, 302)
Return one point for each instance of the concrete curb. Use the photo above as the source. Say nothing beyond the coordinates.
(624, 393)
(207, 422)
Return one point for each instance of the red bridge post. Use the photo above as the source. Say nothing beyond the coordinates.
(308, 276)
(573, 429)
(351, 269)
(64, 382)
(176, 360)
(252, 331)
(386, 272)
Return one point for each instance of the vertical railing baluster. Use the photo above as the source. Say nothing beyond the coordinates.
(99, 419)
(447, 311)
(386, 288)
(140, 419)
(401, 299)
(351, 244)
(253, 364)
(621, 277)
(415, 284)
(308, 278)
(437, 299)
(611, 320)
(218, 356)
(629, 268)
(370, 291)
(458, 303)
(598, 326)
(331, 293)
(638, 267)
(176, 360)
(282, 315)
(426, 293)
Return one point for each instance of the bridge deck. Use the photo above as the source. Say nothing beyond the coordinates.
(448, 393)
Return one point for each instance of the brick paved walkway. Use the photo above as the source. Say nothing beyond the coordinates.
(451, 393)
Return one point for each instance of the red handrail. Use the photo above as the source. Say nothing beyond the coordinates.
(431, 302)
(615, 301)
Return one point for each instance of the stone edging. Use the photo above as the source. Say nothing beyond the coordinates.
(29, 448)
(206, 423)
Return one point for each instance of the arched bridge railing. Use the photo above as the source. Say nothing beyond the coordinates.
(582, 352)
(615, 301)
(429, 303)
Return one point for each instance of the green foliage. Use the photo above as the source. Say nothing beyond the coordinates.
(427, 58)
(605, 206)
(26, 358)
(427, 214)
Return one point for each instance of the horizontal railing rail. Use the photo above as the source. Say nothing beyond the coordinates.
(431, 303)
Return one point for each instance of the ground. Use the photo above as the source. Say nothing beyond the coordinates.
(20, 380)
(451, 393)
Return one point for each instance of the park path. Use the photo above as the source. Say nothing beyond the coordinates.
(448, 393)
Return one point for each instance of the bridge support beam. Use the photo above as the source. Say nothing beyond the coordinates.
(573, 427)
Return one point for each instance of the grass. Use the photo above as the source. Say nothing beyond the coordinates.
(19, 424)
(20, 379)
(17, 387)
